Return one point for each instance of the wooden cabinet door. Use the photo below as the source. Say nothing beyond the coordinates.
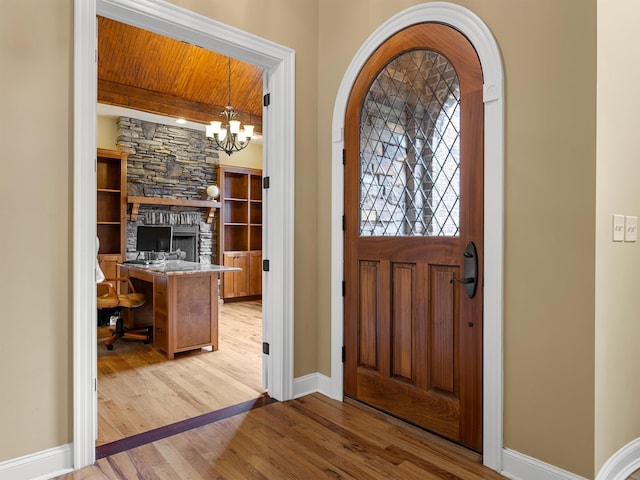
(236, 284)
(255, 273)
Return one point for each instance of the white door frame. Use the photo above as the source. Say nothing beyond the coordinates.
(278, 215)
(481, 38)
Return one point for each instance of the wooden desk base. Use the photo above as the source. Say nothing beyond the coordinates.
(182, 308)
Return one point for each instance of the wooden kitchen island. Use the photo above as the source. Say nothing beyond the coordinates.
(182, 303)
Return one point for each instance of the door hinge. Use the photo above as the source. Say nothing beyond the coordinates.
(266, 182)
(266, 100)
(344, 354)
(344, 157)
(344, 288)
(265, 265)
(265, 348)
(344, 222)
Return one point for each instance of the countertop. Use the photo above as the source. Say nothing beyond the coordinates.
(180, 267)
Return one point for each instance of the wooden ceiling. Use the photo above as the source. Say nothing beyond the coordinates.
(145, 71)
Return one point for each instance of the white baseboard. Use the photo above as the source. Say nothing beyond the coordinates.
(40, 465)
(622, 464)
(314, 382)
(521, 467)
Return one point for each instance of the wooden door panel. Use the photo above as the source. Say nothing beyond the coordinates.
(436, 411)
(402, 321)
(368, 307)
(442, 330)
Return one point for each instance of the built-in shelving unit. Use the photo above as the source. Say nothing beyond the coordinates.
(111, 215)
(241, 231)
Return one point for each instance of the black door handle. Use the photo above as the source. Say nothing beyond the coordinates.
(464, 281)
(470, 280)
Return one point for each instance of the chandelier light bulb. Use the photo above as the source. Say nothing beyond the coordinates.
(234, 126)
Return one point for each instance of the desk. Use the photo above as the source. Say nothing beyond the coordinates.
(182, 303)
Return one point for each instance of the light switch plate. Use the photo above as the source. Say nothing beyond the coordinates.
(630, 229)
(618, 228)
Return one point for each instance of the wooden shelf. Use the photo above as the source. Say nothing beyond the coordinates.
(111, 207)
(240, 233)
(173, 202)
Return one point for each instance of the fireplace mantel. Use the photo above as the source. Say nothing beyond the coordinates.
(172, 202)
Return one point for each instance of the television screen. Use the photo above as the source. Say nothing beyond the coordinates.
(154, 238)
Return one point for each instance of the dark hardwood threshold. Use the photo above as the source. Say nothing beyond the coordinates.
(179, 427)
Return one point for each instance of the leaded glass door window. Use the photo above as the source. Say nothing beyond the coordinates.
(410, 149)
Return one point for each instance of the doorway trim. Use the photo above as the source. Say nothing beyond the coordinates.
(481, 38)
(278, 63)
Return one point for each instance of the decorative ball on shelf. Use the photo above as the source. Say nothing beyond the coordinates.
(213, 191)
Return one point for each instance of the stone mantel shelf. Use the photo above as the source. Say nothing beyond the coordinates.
(172, 202)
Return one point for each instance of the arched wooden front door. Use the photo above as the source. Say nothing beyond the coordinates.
(414, 232)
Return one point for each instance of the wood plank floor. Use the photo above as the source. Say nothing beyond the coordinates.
(313, 437)
(139, 389)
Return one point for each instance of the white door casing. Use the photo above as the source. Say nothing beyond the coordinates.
(278, 215)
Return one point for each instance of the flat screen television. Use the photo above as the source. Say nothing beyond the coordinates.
(154, 238)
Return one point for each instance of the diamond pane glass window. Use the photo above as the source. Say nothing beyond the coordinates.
(409, 149)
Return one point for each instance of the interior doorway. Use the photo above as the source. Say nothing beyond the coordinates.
(278, 64)
(139, 389)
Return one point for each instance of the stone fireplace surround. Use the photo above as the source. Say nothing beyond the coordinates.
(172, 162)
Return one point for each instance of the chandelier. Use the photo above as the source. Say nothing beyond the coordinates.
(229, 137)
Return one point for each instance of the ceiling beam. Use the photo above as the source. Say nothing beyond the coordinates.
(111, 93)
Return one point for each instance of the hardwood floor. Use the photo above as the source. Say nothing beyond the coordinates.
(312, 437)
(139, 389)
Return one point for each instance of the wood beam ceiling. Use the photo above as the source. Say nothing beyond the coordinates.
(145, 71)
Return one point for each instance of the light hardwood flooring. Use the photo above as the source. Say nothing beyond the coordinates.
(313, 437)
(139, 389)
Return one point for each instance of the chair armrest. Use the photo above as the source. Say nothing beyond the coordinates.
(132, 289)
(110, 299)
(108, 282)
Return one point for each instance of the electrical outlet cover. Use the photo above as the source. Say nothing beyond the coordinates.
(630, 229)
(618, 228)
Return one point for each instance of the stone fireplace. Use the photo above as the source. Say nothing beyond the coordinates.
(195, 240)
(171, 162)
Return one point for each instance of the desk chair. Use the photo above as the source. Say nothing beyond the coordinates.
(108, 297)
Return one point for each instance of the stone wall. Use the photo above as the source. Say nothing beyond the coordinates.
(171, 162)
